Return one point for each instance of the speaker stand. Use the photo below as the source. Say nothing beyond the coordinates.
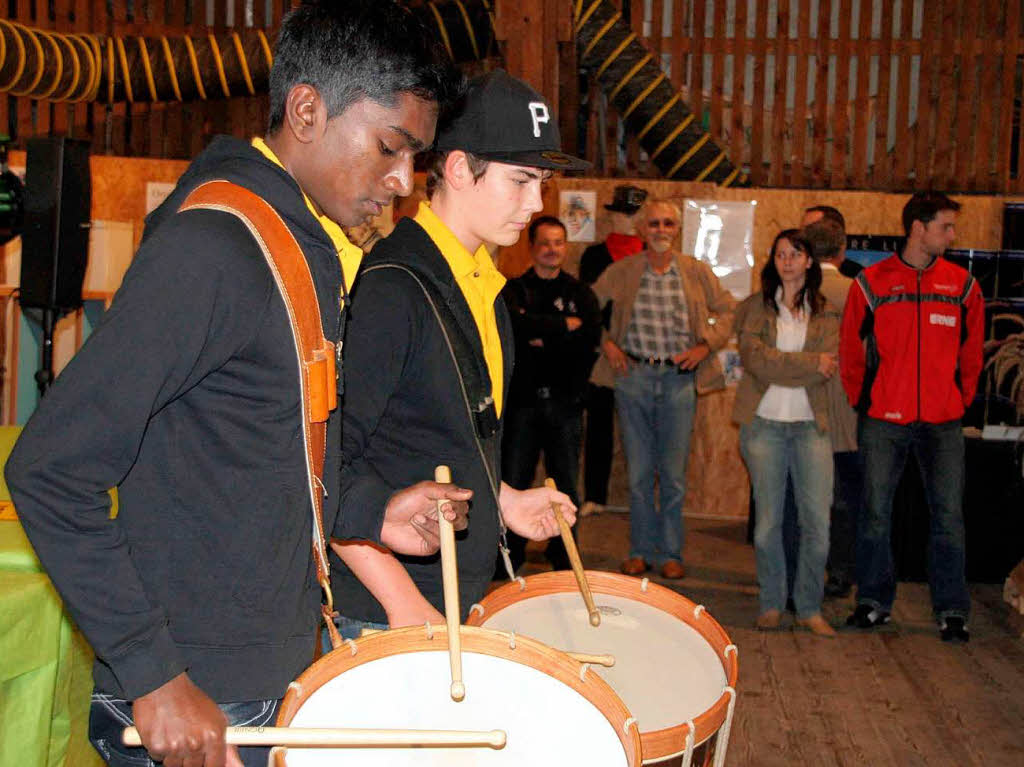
(44, 376)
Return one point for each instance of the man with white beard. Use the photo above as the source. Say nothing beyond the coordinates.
(669, 314)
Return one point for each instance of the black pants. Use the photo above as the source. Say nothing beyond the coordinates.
(554, 427)
(846, 510)
(847, 499)
(600, 441)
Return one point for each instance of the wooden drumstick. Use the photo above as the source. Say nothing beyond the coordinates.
(348, 737)
(594, 660)
(574, 559)
(450, 579)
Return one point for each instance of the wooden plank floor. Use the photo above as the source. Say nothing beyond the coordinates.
(894, 697)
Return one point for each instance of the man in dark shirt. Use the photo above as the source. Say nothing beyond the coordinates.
(200, 598)
(557, 324)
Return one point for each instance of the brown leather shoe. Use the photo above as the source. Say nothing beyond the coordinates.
(673, 570)
(818, 626)
(769, 620)
(633, 566)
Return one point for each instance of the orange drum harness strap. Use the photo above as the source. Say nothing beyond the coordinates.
(315, 354)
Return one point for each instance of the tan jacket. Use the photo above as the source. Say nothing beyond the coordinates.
(763, 364)
(710, 308)
(842, 418)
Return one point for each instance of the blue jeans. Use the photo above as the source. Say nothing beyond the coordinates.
(108, 716)
(939, 449)
(349, 628)
(656, 406)
(773, 451)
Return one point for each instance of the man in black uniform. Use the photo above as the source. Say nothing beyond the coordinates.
(557, 324)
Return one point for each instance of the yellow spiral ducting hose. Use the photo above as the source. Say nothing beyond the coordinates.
(61, 66)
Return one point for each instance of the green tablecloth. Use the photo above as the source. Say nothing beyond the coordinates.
(45, 663)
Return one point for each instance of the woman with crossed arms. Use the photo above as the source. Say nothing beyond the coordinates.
(789, 340)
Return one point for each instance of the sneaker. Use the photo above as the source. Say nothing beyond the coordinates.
(867, 617)
(954, 629)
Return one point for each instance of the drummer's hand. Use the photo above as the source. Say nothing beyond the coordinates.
(182, 727)
(410, 520)
(528, 512)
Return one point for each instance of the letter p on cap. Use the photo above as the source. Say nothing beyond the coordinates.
(539, 114)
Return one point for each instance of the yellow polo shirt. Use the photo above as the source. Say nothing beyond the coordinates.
(349, 255)
(480, 283)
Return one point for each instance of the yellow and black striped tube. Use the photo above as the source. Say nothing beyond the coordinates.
(465, 27)
(652, 108)
(58, 66)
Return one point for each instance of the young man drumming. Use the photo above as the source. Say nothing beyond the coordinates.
(200, 599)
(429, 357)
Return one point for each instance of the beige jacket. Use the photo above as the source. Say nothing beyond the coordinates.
(709, 305)
(763, 364)
(842, 418)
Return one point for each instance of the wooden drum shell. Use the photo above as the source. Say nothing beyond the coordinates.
(524, 651)
(658, 744)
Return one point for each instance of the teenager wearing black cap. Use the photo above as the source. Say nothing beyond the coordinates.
(429, 356)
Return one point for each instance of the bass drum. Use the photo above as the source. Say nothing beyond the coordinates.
(553, 709)
(675, 667)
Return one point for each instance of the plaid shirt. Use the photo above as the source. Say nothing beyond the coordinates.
(660, 324)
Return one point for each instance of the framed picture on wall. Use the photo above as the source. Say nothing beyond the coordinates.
(577, 209)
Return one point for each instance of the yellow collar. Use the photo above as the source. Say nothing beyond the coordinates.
(480, 283)
(331, 227)
(462, 262)
(349, 254)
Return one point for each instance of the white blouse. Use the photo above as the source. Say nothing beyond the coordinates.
(788, 403)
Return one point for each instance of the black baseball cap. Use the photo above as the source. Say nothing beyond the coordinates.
(628, 199)
(501, 118)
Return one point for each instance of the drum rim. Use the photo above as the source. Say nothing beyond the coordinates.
(657, 744)
(475, 639)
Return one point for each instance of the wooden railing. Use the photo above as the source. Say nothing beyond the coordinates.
(861, 94)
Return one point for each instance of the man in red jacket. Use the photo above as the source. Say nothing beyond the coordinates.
(910, 355)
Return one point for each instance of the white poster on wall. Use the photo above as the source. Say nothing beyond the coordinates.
(721, 234)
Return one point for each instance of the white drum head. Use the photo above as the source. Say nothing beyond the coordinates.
(665, 671)
(547, 722)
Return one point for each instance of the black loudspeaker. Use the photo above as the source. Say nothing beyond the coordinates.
(1013, 226)
(55, 238)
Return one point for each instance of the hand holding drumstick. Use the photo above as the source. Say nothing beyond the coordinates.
(530, 513)
(349, 737)
(574, 560)
(450, 578)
